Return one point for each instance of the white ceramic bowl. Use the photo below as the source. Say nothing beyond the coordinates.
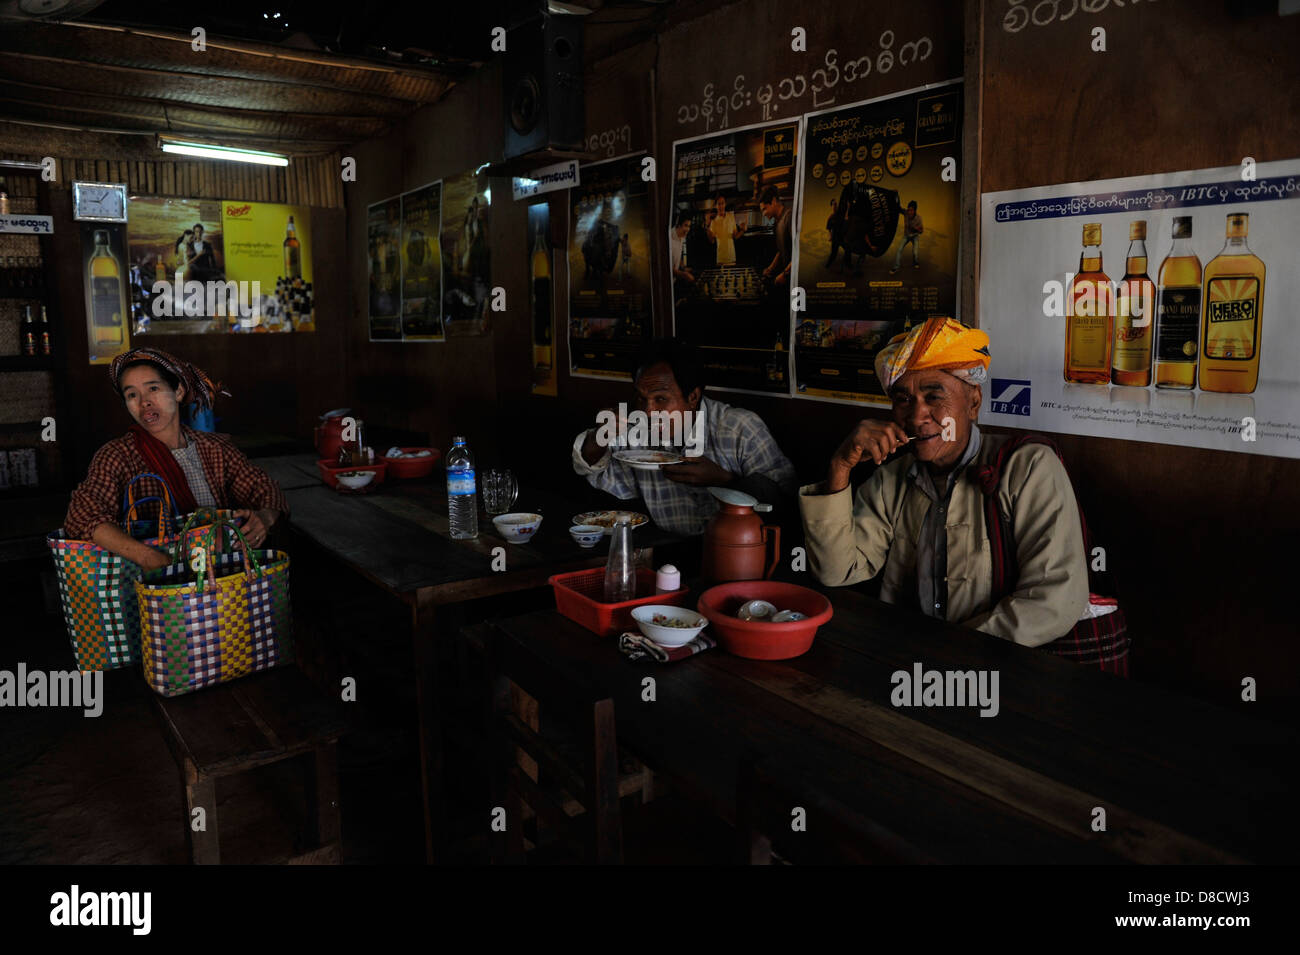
(517, 528)
(355, 479)
(669, 636)
(586, 535)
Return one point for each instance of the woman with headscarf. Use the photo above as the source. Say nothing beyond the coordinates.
(200, 468)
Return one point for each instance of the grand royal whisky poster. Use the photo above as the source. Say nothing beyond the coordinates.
(731, 252)
(610, 295)
(1151, 308)
(878, 241)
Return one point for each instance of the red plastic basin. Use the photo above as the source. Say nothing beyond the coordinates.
(755, 639)
(412, 467)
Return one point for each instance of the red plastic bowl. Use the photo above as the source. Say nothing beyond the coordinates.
(412, 467)
(755, 639)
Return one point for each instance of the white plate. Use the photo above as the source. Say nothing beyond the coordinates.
(647, 460)
(605, 519)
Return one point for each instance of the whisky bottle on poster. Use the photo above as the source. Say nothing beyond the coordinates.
(1134, 314)
(1089, 316)
(1233, 300)
(1178, 311)
(541, 287)
(292, 259)
(107, 299)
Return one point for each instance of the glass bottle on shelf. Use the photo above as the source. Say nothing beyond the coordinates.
(45, 333)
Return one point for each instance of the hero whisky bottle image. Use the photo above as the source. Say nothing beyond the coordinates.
(1178, 311)
(1232, 299)
(1089, 316)
(1134, 314)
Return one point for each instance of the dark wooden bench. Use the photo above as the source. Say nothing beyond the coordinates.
(254, 721)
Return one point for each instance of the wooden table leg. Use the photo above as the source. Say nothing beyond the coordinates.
(205, 847)
(423, 635)
(322, 779)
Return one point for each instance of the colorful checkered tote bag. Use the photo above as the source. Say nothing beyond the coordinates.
(215, 617)
(97, 587)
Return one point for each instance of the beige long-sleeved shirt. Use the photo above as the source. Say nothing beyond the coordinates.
(852, 538)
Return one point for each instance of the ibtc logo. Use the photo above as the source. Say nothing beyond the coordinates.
(1009, 396)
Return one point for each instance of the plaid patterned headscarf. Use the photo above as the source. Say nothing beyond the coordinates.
(198, 386)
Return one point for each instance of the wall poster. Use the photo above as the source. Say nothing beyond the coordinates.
(610, 286)
(730, 248)
(219, 265)
(1151, 308)
(541, 298)
(422, 264)
(103, 264)
(383, 246)
(877, 251)
(466, 262)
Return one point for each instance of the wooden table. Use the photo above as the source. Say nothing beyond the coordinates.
(1181, 781)
(291, 471)
(398, 537)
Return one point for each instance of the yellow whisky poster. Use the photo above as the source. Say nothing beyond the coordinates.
(103, 266)
(1149, 308)
(268, 250)
(422, 264)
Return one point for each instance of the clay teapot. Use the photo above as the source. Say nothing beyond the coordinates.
(328, 435)
(736, 540)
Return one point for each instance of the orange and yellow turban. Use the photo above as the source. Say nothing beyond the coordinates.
(941, 343)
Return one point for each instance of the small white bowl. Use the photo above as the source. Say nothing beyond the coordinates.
(669, 636)
(355, 479)
(586, 535)
(517, 528)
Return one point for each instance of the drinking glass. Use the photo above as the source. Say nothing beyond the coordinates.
(499, 491)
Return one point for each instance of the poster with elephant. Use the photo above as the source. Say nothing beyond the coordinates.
(422, 264)
(610, 289)
(877, 250)
(730, 249)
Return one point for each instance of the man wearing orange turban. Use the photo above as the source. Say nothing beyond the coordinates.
(919, 517)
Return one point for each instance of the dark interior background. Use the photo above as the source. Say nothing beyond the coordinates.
(1200, 540)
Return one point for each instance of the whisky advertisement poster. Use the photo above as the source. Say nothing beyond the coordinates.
(103, 267)
(730, 242)
(610, 297)
(175, 247)
(1152, 308)
(541, 299)
(466, 263)
(383, 251)
(877, 249)
(219, 265)
(268, 249)
(422, 264)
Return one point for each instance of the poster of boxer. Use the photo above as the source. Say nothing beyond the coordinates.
(730, 249)
(877, 249)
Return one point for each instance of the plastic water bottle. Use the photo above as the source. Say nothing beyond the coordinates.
(462, 499)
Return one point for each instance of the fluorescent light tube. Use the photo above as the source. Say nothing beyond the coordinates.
(224, 152)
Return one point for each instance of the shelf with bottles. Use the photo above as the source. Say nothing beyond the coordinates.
(22, 276)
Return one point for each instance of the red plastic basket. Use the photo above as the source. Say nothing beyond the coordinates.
(577, 597)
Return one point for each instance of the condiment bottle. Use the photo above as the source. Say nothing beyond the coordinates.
(667, 579)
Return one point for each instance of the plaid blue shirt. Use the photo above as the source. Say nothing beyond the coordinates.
(735, 439)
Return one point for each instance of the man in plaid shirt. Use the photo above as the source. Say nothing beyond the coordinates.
(738, 451)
